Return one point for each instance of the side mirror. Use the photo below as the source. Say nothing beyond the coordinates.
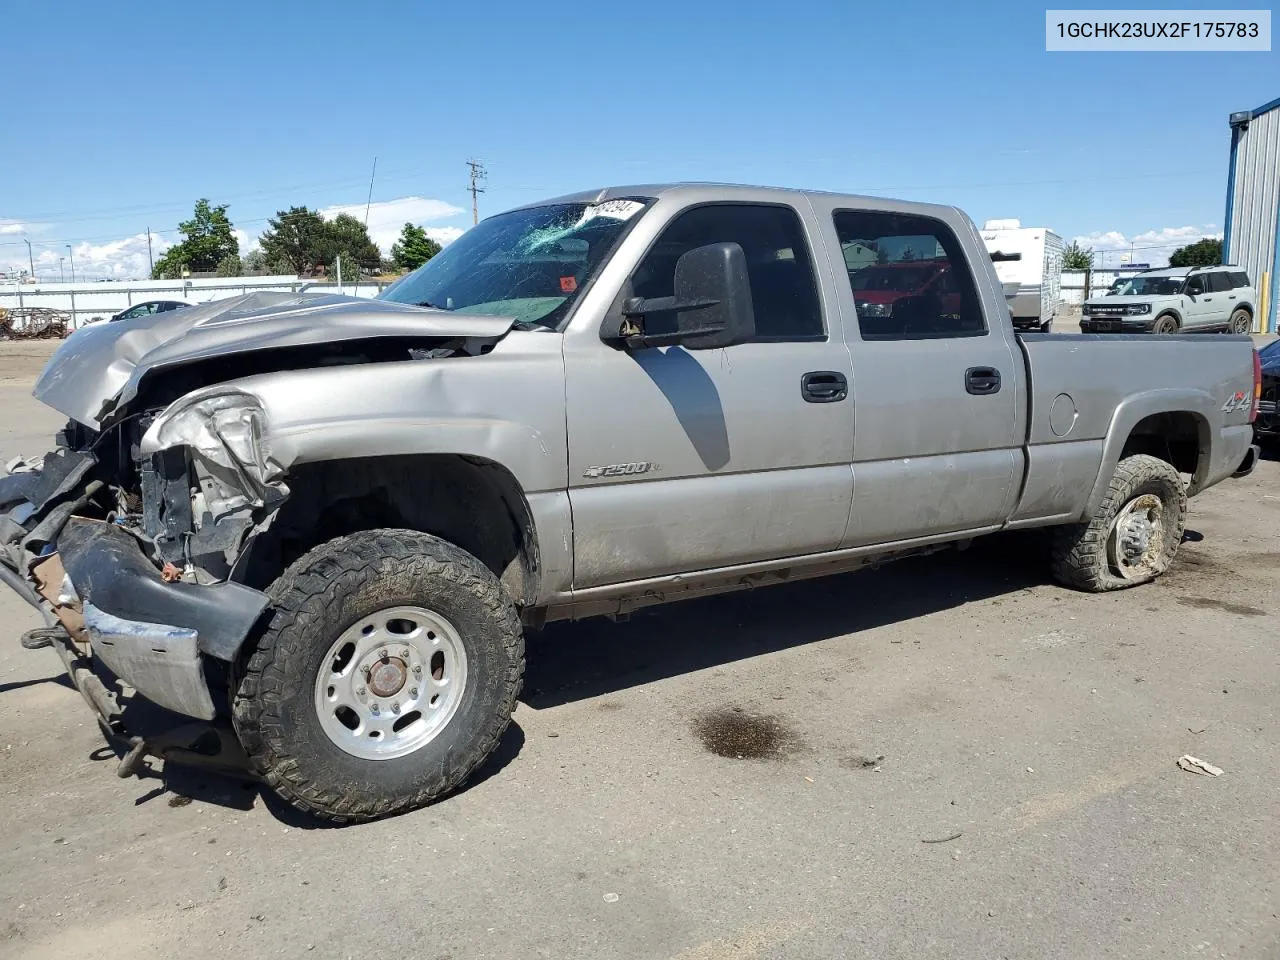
(712, 303)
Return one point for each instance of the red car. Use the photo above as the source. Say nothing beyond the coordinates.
(878, 288)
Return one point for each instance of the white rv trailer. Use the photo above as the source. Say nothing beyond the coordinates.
(1030, 257)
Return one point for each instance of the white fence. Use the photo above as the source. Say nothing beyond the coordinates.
(86, 302)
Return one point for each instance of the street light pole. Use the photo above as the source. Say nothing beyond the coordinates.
(30, 263)
(73, 263)
(62, 274)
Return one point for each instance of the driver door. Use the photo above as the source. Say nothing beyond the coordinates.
(683, 460)
(1199, 311)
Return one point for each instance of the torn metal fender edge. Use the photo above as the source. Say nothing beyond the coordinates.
(108, 568)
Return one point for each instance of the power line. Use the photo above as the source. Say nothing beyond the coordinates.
(478, 175)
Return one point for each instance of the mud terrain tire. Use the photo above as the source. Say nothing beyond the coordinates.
(1093, 556)
(320, 599)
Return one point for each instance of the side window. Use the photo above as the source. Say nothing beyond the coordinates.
(784, 291)
(1195, 285)
(918, 286)
(1240, 279)
(1219, 282)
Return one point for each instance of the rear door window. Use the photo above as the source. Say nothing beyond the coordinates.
(917, 285)
(1239, 279)
(1219, 283)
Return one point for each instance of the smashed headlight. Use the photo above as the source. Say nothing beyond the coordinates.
(228, 436)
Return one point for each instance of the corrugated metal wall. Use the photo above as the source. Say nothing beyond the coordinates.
(1253, 204)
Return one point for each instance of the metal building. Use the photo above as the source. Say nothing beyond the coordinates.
(1252, 222)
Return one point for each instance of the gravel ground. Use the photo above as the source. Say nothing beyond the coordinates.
(948, 757)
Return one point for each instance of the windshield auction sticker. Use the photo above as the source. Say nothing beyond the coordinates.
(1186, 31)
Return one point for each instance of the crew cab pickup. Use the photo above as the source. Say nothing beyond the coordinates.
(319, 525)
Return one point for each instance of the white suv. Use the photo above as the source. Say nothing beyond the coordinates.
(1174, 300)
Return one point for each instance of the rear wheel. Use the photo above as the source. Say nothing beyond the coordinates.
(1165, 323)
(387, 673)
(1241, 322)
(1134, 534)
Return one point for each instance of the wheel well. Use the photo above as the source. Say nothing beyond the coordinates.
(1180, 438)
(1171, 313)
(473, 503)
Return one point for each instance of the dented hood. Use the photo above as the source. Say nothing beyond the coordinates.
(99, 367)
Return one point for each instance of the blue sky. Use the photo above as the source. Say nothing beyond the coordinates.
(120, 115)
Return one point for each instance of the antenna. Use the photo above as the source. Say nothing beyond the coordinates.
(368, 202)
(478, 176)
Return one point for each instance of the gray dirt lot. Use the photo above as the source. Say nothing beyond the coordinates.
(956, 694)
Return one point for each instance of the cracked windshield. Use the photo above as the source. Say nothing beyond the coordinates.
(528, 264)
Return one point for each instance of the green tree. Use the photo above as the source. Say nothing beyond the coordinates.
(297, 238)
(1203, 253)
(230, 266)
(414, 248)
(1076, 257)
(349, 238)
(207, 240)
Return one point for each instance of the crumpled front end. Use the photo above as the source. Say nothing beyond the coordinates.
(99, 536)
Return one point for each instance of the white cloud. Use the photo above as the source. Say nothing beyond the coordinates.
(1150, 246)
(248, 241)
(13, 227)
(124, 259)
(388, 217)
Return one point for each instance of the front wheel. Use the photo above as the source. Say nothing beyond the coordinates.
(1134, 534)
(387, 673)
(1167, 323)
(1240, 322)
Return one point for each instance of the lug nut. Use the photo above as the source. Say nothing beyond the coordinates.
(374, 709)
(413, 692)
(383, 653)
(404, 654)
(417, 669)
(395, 708)
(359, 691)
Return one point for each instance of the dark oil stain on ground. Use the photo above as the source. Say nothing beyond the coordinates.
(734, 733)
(1208, 603)
(861, 763)
(178, 800)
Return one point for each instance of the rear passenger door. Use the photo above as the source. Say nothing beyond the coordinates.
(939, 394)
(1223, 292)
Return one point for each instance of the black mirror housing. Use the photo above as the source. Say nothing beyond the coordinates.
(715, 274)
(712, 303)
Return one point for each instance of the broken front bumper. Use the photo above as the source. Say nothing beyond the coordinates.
(152, 634)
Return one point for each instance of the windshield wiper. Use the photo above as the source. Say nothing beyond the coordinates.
(429, 305)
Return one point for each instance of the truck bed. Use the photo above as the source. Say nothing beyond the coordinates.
(1095, 397)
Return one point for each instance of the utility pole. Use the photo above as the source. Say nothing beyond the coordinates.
(151, 267)
(30, 263)
(71, 254)
(478, 176)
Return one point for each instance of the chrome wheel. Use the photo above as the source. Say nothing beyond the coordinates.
(1241, 322)
(1135, 543)
(391, 682)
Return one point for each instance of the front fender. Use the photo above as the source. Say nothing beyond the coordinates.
(504, 407)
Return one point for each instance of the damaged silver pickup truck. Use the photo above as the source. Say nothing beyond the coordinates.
(319, 525)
